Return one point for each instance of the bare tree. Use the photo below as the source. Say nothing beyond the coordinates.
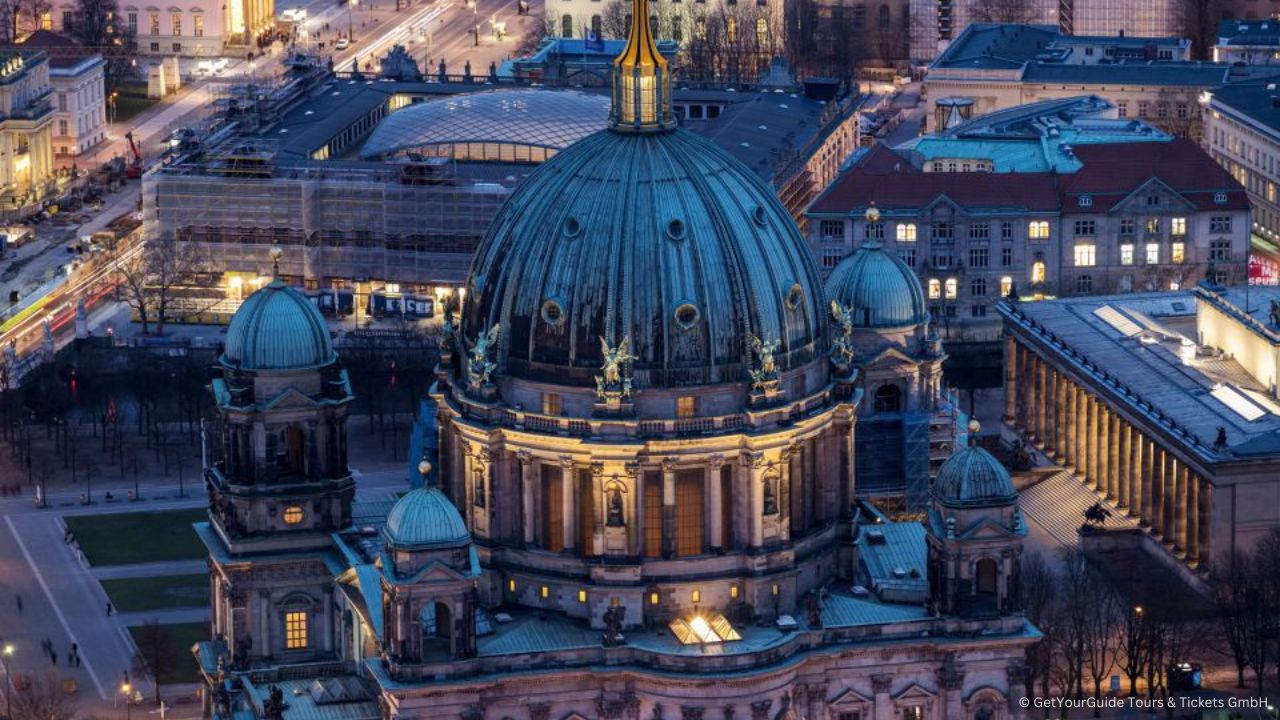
(1003, 11)
(155, 653)
(28, 16)
(1040, 590)
(615, 19)
(532, 37)
(43, 699)
(99, 24)
(150, 280)
(1101, 636)
(1075, 619)
(1198, 21)
(1230, 596)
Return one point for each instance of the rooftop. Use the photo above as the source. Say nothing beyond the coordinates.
(1006, 46)
(1257, 100)
(893, 557)
(1159, 73)
(1249, 32)
(1143, 346)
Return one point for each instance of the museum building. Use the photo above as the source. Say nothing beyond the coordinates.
(640, 498)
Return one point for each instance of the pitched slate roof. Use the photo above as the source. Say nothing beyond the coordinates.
(1110, 173)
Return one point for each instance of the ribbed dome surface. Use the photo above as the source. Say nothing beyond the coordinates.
(973, 477)
(880, 288)
(659, 237)
(424, 519)
(277, 328)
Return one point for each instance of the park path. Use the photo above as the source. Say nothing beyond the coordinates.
(169, 616)
(151, 569)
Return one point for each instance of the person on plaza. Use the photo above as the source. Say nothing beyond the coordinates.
(109, 608)
(53, 657)
(18, 598)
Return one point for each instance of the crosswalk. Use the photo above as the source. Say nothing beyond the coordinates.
(1057, 504)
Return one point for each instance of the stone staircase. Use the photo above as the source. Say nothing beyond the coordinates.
(1057, 504)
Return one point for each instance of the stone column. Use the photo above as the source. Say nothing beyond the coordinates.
(1122, 465)
(715, 507)
(880, 686)
(668, 507)
(568, 506)
(1039, 400)
(951, 681)
(1168, 492)
(527, 523)
(1205, 522)
(1180, 507)
(850, 488)
(1050, 392)
(1135, 472)
(1157, 490)
(1070, 456)
(598, 506)
(1060, 418)
(755, 492)
(1193, 519)
(1150, 470)
(1022, 417)
(1104, 449)
(1010, 381)
(1113, 458)
(635, 535)
(1091, 441)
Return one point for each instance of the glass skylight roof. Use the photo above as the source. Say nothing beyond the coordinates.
(712, 628)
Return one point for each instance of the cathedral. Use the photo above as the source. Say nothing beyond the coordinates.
(638, 492)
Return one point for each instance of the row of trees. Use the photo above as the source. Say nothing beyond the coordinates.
(96, 24)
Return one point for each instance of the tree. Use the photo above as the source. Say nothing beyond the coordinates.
(155, 653)
(1230, 598)
(150, 278)
(615, 20)
(1198, 21)
(1040, 589)
(100, 24)
(1101, 636)
(1003, 11)
(43, 699)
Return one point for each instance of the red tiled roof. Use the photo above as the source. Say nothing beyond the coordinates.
(49, 40)
(1110, 174)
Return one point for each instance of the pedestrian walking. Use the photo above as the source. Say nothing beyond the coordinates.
(77, 660)
(109, 608)
(75, 648)
(19, 600)
(53, 657)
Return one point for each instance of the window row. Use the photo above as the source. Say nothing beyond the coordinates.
(833, 230)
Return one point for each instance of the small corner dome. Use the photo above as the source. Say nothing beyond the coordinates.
(880, 289)
(424, 519)
(973, 477)
(277, 328)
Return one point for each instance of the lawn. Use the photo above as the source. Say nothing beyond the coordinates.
(179, 638)
(131, 101)
(138, 537)
(158, 593)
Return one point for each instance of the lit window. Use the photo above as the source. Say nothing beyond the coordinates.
(1006, 284)
(1126, 254)
(551, 404)
(951, 288)
(653, 598)
(544, 592)
(686, 406)
(1178, 226)
(913, 712)
(1085, 255)
(1038, 230)
(935, 288)
(1153, 225)
(1037, 271)
(1179, 252)
(733, 592)
(511, 586)
(295, 630)
(906, 232)
(696, 596)
(777, 589)
(293, 515)
(582, 596)
(1153, 253)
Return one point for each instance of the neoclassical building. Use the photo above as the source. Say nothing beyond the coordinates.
(634, 487)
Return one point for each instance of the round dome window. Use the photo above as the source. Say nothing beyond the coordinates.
(795, 296)
(572, 228)
(759, 216)
(675, 229)
(552, 312)
(687, 315)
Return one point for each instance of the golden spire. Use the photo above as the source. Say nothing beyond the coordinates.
(641, 80)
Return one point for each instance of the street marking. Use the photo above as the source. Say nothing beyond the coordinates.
(49, 596)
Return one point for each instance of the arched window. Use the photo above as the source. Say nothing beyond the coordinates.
(771, 493)
(888, 399)
(762, 31)
(884, 16)
(986, 581)
(1037, 272)
(731, 29)
(596, 25)
(566, 26)
(677, 32)
(477, 491)
(437, 623)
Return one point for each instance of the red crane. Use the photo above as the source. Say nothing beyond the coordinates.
(133, 169)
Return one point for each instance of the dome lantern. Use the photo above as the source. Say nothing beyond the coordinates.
(641, 80)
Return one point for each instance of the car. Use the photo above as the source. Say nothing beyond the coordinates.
(342, 44)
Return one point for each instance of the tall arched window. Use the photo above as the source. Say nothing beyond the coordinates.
(884, 16)
(596, 25)
(677, 32)
(1037, 272)
(566, 26)
(731, 29)
(762, 31)
(888, 398)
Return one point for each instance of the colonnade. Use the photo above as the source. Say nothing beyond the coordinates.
(1073, 426)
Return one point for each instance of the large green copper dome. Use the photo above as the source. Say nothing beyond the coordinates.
(659, 237)
(973, 477)
(879, 288)
(424, 519)
(277, 328)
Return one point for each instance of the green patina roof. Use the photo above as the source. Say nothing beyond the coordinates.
(424, 519)
(277, 328)
(879, 287)
(973, 477)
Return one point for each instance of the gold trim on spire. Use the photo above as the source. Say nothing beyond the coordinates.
(641, 79)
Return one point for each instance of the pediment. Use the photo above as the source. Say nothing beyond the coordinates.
(1136, 203)
(915, 691)
(889, 357)
(290, 398)
(851, 699)
(574, 716)
(986, 528)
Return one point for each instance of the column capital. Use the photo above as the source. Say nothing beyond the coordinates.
(566, 461)
(715, 460)
(881, 684)
(753, 459)
(597, 469)
(669, 464)
(633, 469)
(524, 456)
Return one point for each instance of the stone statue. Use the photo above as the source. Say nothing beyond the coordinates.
(612, 617)
(1220, 442)
(786, 710)
(481, 367)
(611, 384)
(1275, 313)
(398, 64)
(764, 377)
(770, 495)
(274, 707)
(813, 606)
(616, 517)
(842, 346)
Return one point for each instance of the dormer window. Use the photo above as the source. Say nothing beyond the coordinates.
(1086, 201)
(1220, 198)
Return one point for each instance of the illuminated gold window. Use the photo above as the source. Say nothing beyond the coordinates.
(551, 404)
(777, 589)
(1178, 226)
(511, 586)
(697, 596)
(293, 515)
(1179, 252)
(687, 406)
(295, 630)
(733, 592)
(1037, 272)
(1006, 284)
(935, 288)
(582, 596)
(545, 592)
(653, 598)
(1038, 230)
(951, 288)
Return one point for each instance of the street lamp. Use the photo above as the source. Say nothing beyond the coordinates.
(8, 681)
(126, 689)
(114, 94)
